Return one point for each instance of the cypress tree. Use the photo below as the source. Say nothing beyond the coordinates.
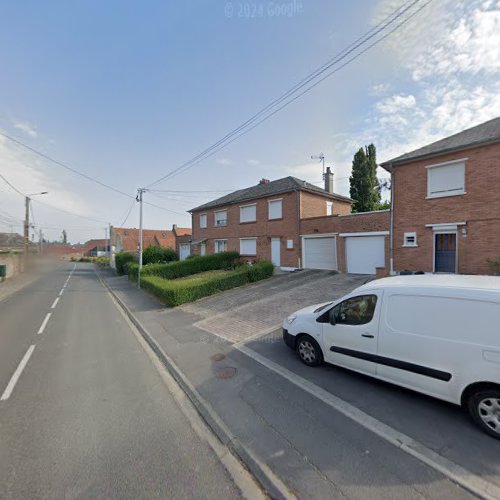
(364, 187)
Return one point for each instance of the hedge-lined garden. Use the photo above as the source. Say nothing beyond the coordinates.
(174, 292)
(176, 283)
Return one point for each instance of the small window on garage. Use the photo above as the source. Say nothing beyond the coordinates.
(248, 246)
(329, 208)
(410, 240)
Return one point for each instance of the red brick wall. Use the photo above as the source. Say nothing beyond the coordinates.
(312, 205)
(479, 208)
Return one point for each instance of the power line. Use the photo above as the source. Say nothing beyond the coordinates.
(128, 213)
(75, 171)
(224, 142)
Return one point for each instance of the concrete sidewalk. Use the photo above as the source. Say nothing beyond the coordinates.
(293, 442)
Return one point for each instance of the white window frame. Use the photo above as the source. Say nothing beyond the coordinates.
(255, 213)
(216, 249)
(329, 208)
(204, 226)
(444, 194)
(248, 254)
(269, 203)
(223, 222)
(410, 235)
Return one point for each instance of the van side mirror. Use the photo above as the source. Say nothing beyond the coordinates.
(332, 317)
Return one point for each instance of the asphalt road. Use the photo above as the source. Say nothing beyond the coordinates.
(83, 411)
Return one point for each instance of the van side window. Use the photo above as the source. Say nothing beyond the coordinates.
(355, 311)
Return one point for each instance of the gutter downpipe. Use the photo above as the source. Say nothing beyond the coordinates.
(299, 240)
(391, 237)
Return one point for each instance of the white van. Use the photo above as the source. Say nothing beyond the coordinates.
(435, 334)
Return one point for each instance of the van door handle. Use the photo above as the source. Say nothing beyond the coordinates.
(368, 335)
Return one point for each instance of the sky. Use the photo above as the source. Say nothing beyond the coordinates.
(126, 91)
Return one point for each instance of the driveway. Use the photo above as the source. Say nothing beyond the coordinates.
(253, 311)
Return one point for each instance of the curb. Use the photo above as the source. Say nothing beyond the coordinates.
(270, 483)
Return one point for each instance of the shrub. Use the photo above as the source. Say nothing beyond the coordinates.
(121, 259)
(102, 261)
(180, 269)
(494, 265)
(158, 255)
(85, 259)
(176, 292)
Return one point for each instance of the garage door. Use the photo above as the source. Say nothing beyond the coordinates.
(320, 253)
(364, 253)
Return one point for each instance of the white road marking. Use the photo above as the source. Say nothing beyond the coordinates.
(61, 292)
(456, 473)
(44, 324)
(13, 381)
(55, 303)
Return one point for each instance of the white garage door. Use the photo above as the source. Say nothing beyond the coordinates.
(320, 253)
(364, 254)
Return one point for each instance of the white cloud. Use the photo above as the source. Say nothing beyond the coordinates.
(379, 89)
(396, 103)
(27, 128)
(253, 163)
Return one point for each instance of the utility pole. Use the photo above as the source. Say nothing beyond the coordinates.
(40, 242)
(106, 241)
(26, 230)
(140, 192)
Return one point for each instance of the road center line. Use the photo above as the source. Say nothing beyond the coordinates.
(458, 474)
(44, 324)
(55, 303)
(61, 292)
(15, 377)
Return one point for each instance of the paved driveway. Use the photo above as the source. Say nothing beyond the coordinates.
(255, 310)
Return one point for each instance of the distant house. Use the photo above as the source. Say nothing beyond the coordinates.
(96, 248)
(446, 203)
(11, 241)
(183, 238)
(263, 221)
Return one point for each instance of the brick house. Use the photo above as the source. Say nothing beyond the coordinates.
(183, 237)
(264, 221)
(446, 203)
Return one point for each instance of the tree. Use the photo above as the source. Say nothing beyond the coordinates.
(64, 236)
(365, 188)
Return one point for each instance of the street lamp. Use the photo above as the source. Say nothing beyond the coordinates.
(27, 223)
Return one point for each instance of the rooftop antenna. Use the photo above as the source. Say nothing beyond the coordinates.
(321, 158)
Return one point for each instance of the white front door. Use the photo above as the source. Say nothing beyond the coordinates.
(276, 251)
(203, 249)
(184, 251)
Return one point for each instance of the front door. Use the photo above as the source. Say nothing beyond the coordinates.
(350, 337)
(185, 251)
(276, 251)
(445, 248)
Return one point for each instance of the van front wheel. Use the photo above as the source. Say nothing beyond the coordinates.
(484, 407)
(309, 351)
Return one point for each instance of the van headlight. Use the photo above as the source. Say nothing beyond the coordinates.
(291, 318)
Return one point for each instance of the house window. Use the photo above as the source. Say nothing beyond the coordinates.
(203, 221)
(248, 213)
(220, 246)
(275, 209)
(446, 179)
(410, 240)
(329, 208)
(221, 218)
(248, 246)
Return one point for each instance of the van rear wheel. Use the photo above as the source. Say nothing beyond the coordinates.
(484, 408)
(309, 351)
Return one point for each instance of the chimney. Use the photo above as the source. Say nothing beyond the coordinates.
(329, 180)
(174, 228)
(264, 181)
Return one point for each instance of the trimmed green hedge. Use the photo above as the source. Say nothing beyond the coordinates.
(180, 269)
(155, 255)
(176, 292)
(121, 259)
